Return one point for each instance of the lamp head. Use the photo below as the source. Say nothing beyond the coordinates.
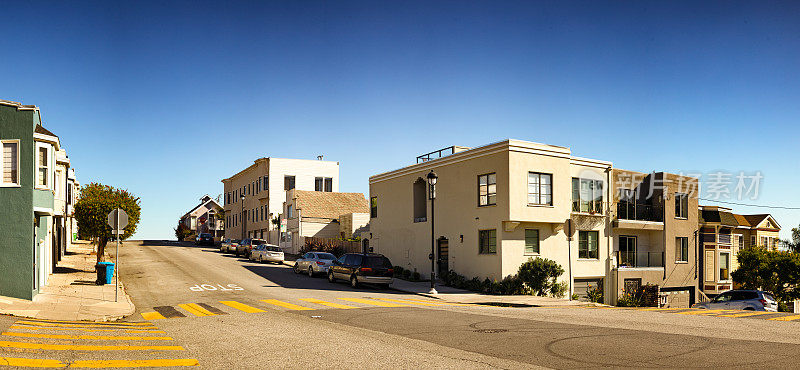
(432, 177)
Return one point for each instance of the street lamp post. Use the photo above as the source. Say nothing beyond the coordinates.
(432, 195)
(241, 216)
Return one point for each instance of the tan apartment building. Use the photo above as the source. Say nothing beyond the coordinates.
(255, 195)
(654, 231)
(497, 206)
(723, 233)
(317, 214)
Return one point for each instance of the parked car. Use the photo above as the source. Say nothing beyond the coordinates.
(752, 300)
(204, 239)
(229, 245)
(314, 263)
(246, 246)
(362, 268)
(267, 253)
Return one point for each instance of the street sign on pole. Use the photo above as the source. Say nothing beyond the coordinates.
(117, 219)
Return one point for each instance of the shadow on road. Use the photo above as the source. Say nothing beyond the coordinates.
(285, 277)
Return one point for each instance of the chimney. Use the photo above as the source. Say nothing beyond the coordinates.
(319, 157)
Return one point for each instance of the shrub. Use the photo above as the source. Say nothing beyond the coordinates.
(398, 271)
(595, 294)
(473, 284)
(406, 274)
(415, 276)
(540, 275)
(628, 300)
(512, 284)
(559, 290)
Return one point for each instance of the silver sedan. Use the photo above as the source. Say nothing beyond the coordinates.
(313, 263)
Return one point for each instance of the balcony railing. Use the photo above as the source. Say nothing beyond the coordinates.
(640, 259)
(589, 206)
(639, 212)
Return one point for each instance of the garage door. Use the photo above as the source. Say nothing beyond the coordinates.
(677, 297)
(582, 285)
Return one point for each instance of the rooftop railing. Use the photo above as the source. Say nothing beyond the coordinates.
(639, 259)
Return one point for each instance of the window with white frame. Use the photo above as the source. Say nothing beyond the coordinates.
(10, 162)
(681, 205)
(42, 166)
(681, 249)
(540, 189)
(724, 266)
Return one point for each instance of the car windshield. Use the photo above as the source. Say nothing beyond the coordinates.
(274, 248)
(204, 235)
(326, 256)
(258, 241)
(377, 262)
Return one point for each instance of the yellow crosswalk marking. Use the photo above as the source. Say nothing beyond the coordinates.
(152, 316)
(82, 347)
(83, 329)
(114, 323)
(409, 302)
(285, 304)
(135, 363)
(436, 302)
(700, 312)
(373, 302)
(663, 309)
(30, 362)
(753, 313)
(54, 324)
(98, 337)
(329, 304)
(786, 318)
(241, 306)
(196, 309)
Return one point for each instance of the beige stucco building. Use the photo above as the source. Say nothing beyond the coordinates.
(255, 195)
(497, 206)
(318, 214)
(654, 226)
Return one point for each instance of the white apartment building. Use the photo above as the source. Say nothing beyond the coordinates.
(255, 196)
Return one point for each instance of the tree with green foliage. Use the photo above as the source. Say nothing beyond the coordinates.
(92, 209)
(182, 231)
(794, 244)
(777, 272)
(541, 275)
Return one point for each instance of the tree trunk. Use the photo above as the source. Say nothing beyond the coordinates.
(101, 249)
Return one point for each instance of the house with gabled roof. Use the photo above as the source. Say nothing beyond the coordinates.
(722, 234)
(203, 218)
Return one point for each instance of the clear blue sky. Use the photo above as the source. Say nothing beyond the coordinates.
(167, 98)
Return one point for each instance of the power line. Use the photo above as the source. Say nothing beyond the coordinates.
(749, 205)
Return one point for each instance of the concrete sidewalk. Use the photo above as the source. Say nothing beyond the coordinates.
(454, 295)
(71, 293)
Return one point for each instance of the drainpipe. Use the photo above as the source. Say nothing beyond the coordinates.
(609, 241)
(569, 253)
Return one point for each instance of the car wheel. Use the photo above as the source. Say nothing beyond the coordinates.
(330, 277)
(310, 271)
(354, 281)
(296, 268)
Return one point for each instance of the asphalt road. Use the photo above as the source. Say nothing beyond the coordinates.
(226, 312)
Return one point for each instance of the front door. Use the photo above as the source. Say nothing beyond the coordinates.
(443, 255)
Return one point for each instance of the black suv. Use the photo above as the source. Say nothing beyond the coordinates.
(362, 268)
(204, 239)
